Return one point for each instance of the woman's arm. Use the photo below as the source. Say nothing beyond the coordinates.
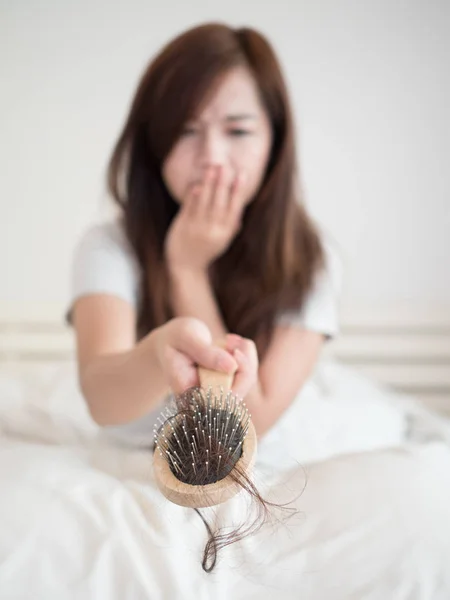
(288, 363)
(192, 295)
(121, 380)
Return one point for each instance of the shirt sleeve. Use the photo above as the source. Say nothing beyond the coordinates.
(320, 310)
(103, 263)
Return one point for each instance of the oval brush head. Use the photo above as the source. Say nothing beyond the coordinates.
(205, 441)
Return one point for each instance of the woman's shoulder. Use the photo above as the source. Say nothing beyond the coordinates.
(108, 234)
(104, 246)
(104, 262)
(319, 310)
(103, 259)
(333, 265)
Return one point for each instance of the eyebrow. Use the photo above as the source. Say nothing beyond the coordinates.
(235, 117)
(240, 117)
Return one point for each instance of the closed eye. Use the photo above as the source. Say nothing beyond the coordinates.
(240, 132)
(188, 131)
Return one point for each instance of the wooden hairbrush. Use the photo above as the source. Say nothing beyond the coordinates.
(204, 438)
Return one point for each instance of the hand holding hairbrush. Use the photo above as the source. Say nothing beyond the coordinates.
(205, 440)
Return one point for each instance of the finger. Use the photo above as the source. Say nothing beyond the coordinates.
(181, 372)
(236, 202)
(246, 355)
(196, 341)
(206, 194)
(246, 375)
(190, 204)
(233, 341)
(246, 346)
(219, 203)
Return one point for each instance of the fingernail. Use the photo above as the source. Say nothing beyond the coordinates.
(233, 340)
(226, 362)
(234, 336)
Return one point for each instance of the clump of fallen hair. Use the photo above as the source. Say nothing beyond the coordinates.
(201, 434)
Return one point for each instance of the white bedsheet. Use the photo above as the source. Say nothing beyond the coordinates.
(81, 518)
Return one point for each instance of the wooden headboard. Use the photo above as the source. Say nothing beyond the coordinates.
(408, 350)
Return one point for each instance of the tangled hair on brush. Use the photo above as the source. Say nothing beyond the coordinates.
(201, 435)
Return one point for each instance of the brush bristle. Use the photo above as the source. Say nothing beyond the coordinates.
(201, 434)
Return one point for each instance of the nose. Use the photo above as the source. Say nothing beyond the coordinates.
(212, 151)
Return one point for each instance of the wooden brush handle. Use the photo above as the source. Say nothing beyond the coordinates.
(215, 379)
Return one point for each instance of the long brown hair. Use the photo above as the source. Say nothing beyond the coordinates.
(271, 263)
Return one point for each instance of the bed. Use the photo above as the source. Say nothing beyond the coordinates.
(81, 517)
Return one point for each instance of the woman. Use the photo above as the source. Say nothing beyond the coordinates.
(212, 228)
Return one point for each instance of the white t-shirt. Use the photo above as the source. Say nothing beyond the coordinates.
(104, 263)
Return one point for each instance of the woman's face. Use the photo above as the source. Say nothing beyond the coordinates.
(232, 131)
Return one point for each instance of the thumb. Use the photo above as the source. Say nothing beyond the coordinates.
(196, 342)
(181, 372)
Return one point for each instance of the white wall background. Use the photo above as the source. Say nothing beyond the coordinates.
(370, 84)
